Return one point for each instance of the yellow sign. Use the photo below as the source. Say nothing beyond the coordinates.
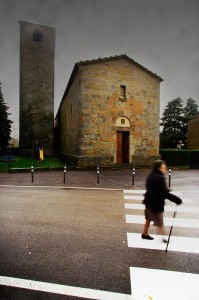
(41, 153)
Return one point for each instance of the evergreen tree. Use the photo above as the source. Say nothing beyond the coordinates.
(190, 110)
(5, 123)
(173, 124)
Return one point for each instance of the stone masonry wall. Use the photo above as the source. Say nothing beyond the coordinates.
(69, 121)
(193, 134)
(37, 86)
(101, 106)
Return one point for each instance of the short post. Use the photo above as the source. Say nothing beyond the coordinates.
(32, 173)
(169, 176)
(65, 173)
(133, 175)
(39, 163)
(97, 174)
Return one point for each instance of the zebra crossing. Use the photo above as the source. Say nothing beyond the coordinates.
(178, 243)
(185, 285)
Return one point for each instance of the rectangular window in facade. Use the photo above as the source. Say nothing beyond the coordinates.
(122, 92)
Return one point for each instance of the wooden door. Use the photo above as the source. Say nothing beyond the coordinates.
(125, 146)
(122, 147)
(119, 147)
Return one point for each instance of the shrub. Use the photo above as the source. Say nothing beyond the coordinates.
(176, 157)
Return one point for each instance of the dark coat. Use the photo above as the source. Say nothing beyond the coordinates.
(157, 192)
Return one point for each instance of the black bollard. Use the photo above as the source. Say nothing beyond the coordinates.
(169, 176)
(65, 173)
(97, 174)
(32, 173)
(133, 175)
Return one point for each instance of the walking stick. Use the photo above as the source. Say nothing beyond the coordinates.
(174, 215)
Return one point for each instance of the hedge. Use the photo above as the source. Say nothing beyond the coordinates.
(180, 157)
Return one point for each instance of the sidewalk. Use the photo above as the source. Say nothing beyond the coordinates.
(108, 179)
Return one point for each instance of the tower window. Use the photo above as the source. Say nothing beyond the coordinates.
(122, 92)
(37, 35)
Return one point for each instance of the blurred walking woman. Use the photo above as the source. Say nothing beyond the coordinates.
(156, 193)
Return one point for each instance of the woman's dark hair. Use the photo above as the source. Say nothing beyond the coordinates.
(157, 165)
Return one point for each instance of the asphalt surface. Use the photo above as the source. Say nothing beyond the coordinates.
(112, 179)
(64, 236)
(75, 234)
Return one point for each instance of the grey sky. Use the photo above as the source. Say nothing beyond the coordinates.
(163, 36)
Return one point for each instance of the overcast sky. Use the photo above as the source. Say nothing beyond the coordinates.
(161, 35)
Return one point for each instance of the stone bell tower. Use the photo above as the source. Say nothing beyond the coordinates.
(37, 47)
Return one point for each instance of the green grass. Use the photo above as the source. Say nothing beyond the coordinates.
(25, 163)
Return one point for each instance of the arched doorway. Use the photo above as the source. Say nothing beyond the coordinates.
(122, 140)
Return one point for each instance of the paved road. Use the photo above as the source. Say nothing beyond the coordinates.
(83, 237)
(70, 237)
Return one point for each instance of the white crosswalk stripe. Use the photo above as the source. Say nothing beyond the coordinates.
(178, 222)
(177, 243)
(137, 198)
(181, 209)
(144, 281)
(153, 284)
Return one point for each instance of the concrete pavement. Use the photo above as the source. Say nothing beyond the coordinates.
(108, 178)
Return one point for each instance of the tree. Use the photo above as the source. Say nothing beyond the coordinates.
(190, 110)
(173, 124)
(5, 123)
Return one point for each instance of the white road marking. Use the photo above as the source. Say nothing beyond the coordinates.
(163, 285)
(133, 197)
(134, 206)
(192, 191)
(177, 222)
(176, 243)
(138, 195)
(62, 289)
(134, 191)
(180, 208)
(141, 198)
(141, 192)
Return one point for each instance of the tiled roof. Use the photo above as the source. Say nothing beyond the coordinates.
(98, 60)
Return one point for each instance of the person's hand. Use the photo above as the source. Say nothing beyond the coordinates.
(179, 202)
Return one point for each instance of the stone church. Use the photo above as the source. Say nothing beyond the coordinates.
(109, 113)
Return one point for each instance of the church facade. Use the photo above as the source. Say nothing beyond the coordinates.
(109, 113)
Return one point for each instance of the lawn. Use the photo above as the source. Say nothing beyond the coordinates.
(26, 163)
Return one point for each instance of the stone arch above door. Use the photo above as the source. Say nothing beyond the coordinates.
(122, 122)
